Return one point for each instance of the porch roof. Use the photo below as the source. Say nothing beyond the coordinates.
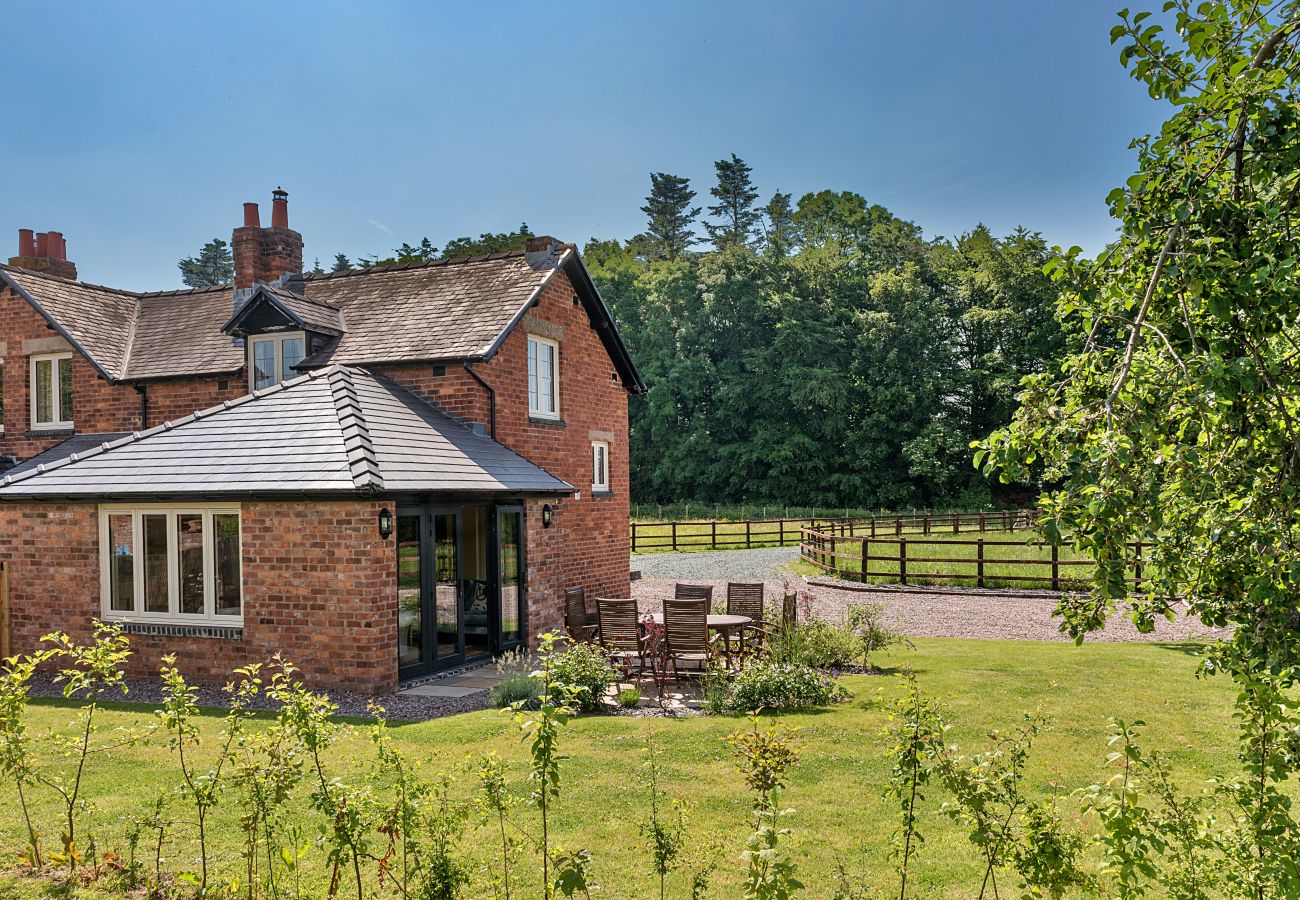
(337, 431)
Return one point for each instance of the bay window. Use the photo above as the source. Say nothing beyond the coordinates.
(52, 392)
(272, 358)
(543, 378)
(171, 564)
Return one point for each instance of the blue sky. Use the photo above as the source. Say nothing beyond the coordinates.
(138, 129)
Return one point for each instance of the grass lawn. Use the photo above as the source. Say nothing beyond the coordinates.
(1002, 551)
(836, 789)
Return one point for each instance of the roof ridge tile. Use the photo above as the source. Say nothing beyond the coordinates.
(362, 461)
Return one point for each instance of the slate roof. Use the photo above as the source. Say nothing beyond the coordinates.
(337, 431)
(443, 310)
(78, 443)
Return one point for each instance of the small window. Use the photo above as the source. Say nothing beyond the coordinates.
(2, 396)
(599, 466)
(52, 392)
(162, 564)
(543, 378)
(273, 357)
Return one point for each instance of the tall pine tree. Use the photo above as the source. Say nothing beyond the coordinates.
(778, 228)
(735, 207)
(669, 210)
(341, 263)
(212, 266)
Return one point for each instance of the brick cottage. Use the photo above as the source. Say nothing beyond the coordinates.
(380, 473)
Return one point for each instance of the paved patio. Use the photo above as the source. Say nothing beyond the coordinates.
(460, 684)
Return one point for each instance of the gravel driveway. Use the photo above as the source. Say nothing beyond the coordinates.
(917, 612)
(734, 565)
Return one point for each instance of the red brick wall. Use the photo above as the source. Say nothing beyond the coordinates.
(588, 543)
(319, 585)
(170, 400)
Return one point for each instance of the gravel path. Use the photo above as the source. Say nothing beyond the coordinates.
(918, 612)
(735, 565)
(404, 707)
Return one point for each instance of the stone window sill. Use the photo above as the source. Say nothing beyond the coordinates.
(50, 432)
(599, 495)
(220, 632)
(541, 420)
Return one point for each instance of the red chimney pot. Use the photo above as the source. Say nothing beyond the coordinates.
(279, 208)
(252, 218)
(26, 242)
(57, 249)
(42, 244)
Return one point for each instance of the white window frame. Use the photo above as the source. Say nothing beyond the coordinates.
(173, 616)
(275, 339)
(600, 487)
(534, 411)
(53, 359)
(2, 396)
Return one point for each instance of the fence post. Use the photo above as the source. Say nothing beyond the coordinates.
(835, 559)
(747, 534)
(1056, 568)
(955, 526)
(781, 525)
(714, 535)
(674, 537)
(873, 526)
(902, 560)
(1137, 565)
(898, 526)
(981, 521)
(633, 537)
(925, 527)
(866, 555)
(979, 563)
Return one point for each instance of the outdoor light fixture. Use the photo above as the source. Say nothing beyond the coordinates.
(547, 515)
(385, 523)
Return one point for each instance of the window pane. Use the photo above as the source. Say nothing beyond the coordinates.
(121, 563)
(189, 545)
(65, 389)
(155, 562)
(410, 607)
(44, 391)
(225, 527)
(263, 364)
(546, 378)
(290, 356)
(532, 375)
(599, 478)
(511, 558)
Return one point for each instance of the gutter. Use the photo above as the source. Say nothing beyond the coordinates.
(491, 396)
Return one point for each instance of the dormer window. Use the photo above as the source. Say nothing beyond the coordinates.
(272, 358)
(52, 392)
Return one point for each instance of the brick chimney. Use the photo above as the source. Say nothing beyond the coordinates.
(539, 249)
(44, 252)
(265, 254)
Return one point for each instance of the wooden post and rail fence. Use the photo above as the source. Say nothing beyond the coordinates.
(979, 563)
(750, 533)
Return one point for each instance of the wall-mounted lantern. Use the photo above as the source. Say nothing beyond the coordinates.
(548, 514)
(385, 523)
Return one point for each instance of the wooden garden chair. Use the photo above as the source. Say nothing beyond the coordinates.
(693, 592)
(619, 634)
(746, 598)
(576, 620)
(686, 635)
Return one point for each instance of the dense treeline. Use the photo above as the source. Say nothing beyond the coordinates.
(822, 352)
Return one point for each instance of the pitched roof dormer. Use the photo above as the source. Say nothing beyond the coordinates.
(278, 307)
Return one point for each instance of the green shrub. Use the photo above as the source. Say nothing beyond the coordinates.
(866, 622)
(629, 697)
(773, 685)
(815, 643)
(518, 688)
(584, 668)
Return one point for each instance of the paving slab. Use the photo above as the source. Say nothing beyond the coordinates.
(441, 690)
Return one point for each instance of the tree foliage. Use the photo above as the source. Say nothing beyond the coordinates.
(735, 193)
(834, 370)
(669, 232)
(212, 266)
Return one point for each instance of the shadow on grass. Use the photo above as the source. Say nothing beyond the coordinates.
(1188, 648)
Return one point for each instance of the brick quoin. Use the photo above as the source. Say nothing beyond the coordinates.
(318, 583)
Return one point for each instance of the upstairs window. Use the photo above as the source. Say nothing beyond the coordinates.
(2, 396)
(543, 378)
(599, 467)
(171, 564)
(52, 392)
(272, 358)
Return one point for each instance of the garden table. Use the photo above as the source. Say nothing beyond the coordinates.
(723, 623)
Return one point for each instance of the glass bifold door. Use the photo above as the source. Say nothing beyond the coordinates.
(460, 584)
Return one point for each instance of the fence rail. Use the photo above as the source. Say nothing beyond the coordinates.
(714, 534)
(886, 559)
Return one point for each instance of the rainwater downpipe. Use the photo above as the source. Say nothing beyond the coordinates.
(491, 397)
